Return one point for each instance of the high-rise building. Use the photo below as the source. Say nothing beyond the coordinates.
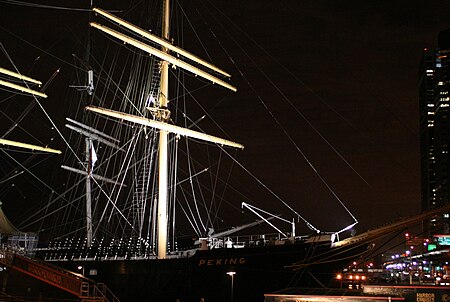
(434, 102)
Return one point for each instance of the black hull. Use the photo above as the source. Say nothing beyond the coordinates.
(204, 275)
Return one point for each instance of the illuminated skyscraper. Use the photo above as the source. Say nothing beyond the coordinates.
(434, 102)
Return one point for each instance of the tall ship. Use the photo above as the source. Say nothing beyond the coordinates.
(143, 196)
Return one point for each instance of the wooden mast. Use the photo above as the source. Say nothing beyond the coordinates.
(161, 119)
(163, 141)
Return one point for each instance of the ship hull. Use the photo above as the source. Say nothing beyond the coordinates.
(204, 275)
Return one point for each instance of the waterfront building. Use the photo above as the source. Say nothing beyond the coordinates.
(434, 111)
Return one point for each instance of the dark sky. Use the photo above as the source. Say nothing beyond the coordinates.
(325, 75)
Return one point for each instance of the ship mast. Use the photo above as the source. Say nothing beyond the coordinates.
(162, 114)
(163, 141)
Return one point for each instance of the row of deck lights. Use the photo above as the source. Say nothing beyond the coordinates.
(117, 248)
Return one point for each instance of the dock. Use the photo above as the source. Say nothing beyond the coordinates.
(367, 293)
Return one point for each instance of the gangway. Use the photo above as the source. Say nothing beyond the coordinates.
(83, 288)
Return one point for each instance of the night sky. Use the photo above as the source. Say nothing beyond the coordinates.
(337, 78)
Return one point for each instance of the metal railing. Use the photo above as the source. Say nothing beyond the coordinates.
(71, 282)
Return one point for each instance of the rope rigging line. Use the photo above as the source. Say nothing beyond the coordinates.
(174, 194)
(11, 177)
(194, 31)
(190, 180)
(67, 202)
(180, 86)
(27, 110)
(222, 199)
(238, 209)
(188, 217)
(254, 176)
(122, 170)
(304, 85)
(38, 48)
(195, 123)
(69, 147)
(191, 217)
(36, 5)
(127, 98)
(281, 126)
(38, 102)
(33, 175)
(192, 187)
(48, 117)
(124, 167)
(215, 181)
(16, 125)
(242, 166)
(299, 273)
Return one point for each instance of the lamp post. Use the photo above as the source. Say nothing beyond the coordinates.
(231, 274)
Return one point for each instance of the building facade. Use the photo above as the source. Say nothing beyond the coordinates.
(434, 109)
